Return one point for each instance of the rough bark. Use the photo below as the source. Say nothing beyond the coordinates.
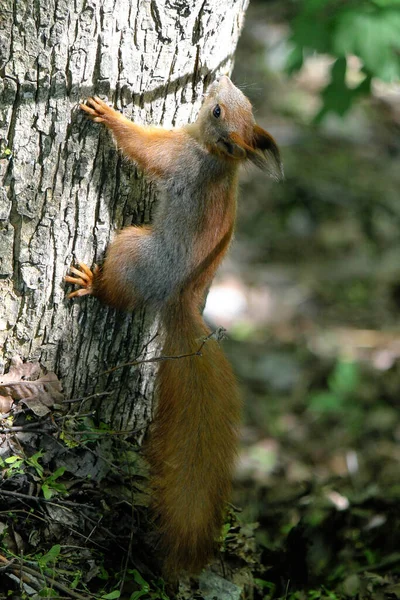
(65, 188)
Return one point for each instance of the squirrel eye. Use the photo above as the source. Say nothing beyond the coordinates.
(217, 111)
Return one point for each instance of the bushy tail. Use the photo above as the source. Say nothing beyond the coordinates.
(193, 440)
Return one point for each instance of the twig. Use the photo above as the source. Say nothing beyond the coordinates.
(147, 344)
(84, 398)
(45, 500)
(106, 432)
(52, 581)
(218, 334)
(21, 428)
(29, 427)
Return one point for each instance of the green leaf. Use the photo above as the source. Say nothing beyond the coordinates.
(313, 6)
(139, 579)
(51, 555)
(50, 485)
(57, 473)
(137, 595)
(373, 34)
(311, 33)
(12, 459)
(325, 402)
(48, 593)
(47, 492)
(76, 580)
(387, 3)
(294, 61)
(264, 584)
(337, 97)
(112, 595)
(344, 379)
(33, 461)
(368, 29)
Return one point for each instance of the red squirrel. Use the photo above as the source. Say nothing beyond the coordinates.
(169, 266)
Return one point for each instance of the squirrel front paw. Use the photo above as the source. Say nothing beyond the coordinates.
(98, 110)
(84, 278)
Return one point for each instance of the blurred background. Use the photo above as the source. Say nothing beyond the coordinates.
(310, 296)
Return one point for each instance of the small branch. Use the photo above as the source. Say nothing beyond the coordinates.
(23, 569)
(44, 500)
(84, 398)
(217, 335)
(21, 429)
(147, 344)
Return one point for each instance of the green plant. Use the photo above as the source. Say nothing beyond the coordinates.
(12, 466)
(368, 29)
(146, 592)
(50, 485)
(15, 464)
(341, 399)
(342, 384)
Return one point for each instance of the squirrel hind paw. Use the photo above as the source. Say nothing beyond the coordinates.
(82, 277)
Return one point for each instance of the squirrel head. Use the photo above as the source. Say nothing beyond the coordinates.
(228, 127)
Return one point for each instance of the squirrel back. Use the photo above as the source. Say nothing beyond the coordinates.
(169, 266)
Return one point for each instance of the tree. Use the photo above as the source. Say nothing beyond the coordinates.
(65, 188)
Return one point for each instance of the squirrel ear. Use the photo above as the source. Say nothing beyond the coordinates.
(266, 153)
(231, 148)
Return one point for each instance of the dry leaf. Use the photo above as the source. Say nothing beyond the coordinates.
(26, 382)
(6, 403)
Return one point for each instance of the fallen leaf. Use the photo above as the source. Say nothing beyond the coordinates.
(6, 403)
(26, 382)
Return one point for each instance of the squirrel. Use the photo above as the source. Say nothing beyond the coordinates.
(169, 266)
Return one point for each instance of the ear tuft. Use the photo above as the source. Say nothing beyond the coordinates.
(266, 153)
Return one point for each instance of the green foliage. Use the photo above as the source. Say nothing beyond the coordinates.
(50, 486)
(147, 591)
(340, 397)
(14, 465)
(33, 461)
(50, 568)
(266, 586)
(48, 593)
(368, 29)
(337, 96)
(341, 385)
(50, 557)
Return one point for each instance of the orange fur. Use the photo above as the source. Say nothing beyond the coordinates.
(193, 440)
(112, 286)
(140, 144)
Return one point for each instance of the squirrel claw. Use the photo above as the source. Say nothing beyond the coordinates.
(78, 293)
(96, 109)
(84, 279)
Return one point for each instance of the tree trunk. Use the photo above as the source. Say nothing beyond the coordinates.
(66, 189)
